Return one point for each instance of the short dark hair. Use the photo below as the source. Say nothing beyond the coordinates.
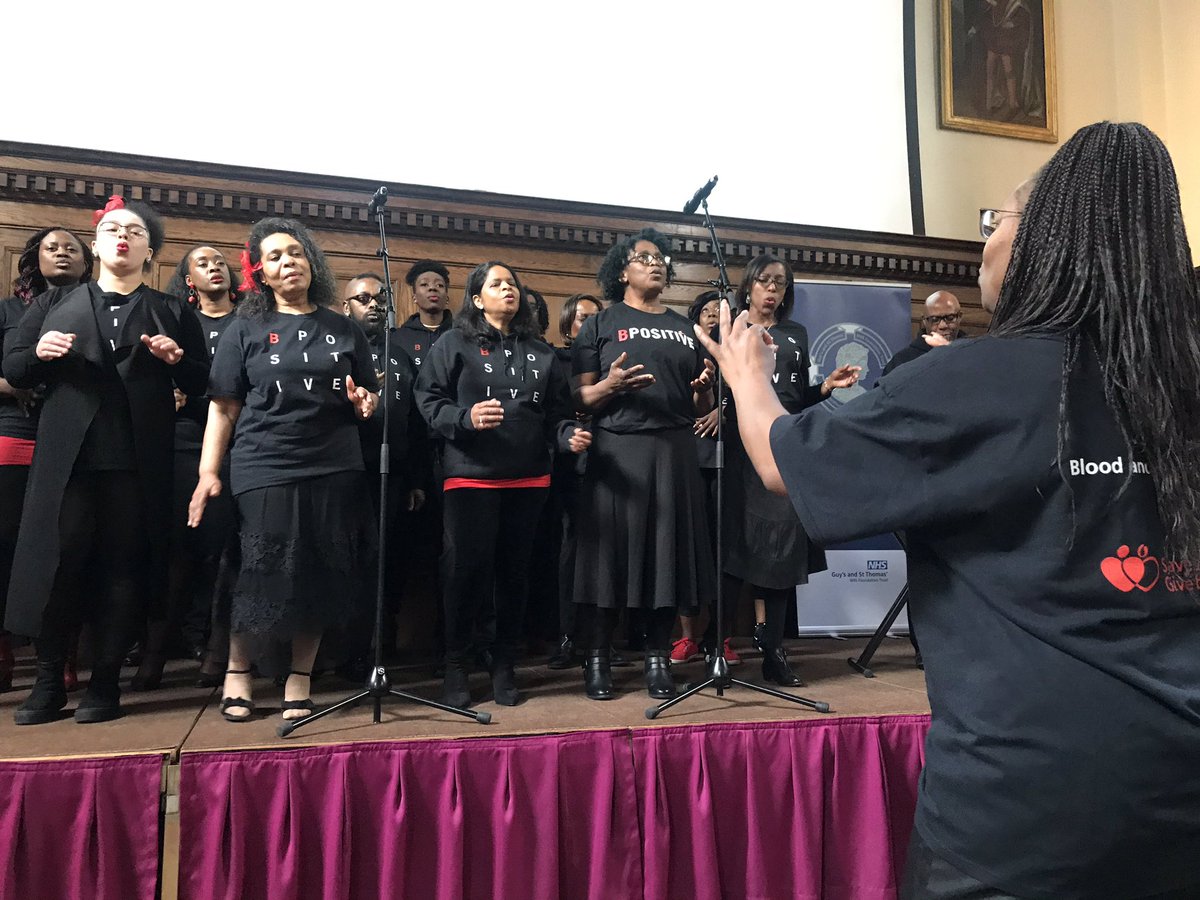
(541, 312)
(421, 266)
(178, 287)
(30, 281)
(470, 319)
(362, 275)
(321, 292)
(702, 300)
(567, 318)
(617, 258)
(755, 268)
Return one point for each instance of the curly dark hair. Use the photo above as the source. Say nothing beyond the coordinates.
(421, 266)
(178, 286)
(470, 320)
(1101, 257)
(322, 291)
(617, 258)
(567, 318)
(755, 268)
(30, 281)
(541, 312)
(697, 306)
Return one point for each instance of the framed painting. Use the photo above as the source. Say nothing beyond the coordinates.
(997, 67)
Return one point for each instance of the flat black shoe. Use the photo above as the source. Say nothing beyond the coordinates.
(775, 668)
(455, 690)
(564, 657)
(597, 676)
(45, 702)
(658, 677)
(100, 703)
(504, 688)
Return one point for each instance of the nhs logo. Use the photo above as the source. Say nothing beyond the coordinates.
(877, 565)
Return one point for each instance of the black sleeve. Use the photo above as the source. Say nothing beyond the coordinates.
(560, 412)
(227, 375)
(191, 372)
(901, 457)
(362, 368)
(419, 472)
(437, 397)
(585, 349)
(22, 368)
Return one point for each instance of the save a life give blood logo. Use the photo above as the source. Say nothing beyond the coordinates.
(1126, 572)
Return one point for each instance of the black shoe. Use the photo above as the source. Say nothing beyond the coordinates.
(564, 657)
(504, 688)
(618, 660)
(775, 669)
(48, 697)
(760, 637)
(455, 691)
(597, 675)
(658, 677)
(102, 700)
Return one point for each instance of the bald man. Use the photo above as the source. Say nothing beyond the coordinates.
(940, 326)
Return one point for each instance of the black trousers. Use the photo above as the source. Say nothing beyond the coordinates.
(598, 625)
(12, 499)
(103, 556)
(488, 543)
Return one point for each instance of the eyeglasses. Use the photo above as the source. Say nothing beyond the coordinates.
(989, 220)
(365, 299)
(650, 259)
(113, 228)
(768, 280)
(949, 319)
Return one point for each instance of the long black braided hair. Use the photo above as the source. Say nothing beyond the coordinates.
(1102, 257)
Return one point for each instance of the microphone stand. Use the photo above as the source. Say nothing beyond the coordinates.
(379, 685)
(717, 670)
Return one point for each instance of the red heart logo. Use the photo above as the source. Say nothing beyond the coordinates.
(1134, 568)
(1114, 570)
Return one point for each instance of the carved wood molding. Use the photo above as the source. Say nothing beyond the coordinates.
(465, 216)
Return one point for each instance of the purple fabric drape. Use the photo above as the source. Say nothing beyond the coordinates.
(809, 809)
(797, 810)
(80, 828)
(508, 818)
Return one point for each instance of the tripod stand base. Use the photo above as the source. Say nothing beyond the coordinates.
(720, 679)
(379, 687)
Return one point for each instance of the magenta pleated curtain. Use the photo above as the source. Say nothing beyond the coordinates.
(815, 808)
(82, 828)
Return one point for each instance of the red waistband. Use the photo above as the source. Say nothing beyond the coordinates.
(537, 481)
(15, 451)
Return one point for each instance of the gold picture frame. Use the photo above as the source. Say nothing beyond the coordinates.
(996, 62)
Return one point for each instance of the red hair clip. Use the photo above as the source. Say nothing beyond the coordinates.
(116, 201)
(248, 270)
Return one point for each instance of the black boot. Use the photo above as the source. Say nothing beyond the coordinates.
(455, 691)
(658, 676)
(564, 656)
(597, 675)
(102, 700)
(504, 688)
(760, 637)
(775, 668)
(48, 697)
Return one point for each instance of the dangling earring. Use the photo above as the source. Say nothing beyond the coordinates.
(193, 298)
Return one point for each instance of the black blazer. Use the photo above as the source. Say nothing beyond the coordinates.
(71, 402)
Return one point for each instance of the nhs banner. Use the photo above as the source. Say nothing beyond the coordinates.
(861, 325)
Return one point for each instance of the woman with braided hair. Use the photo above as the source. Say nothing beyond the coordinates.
(1053, 516)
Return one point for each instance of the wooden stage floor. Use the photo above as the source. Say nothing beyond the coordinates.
(180, 718)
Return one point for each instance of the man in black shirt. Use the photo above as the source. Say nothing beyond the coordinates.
(939, 326)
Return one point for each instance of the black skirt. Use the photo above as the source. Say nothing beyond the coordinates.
(642, 538)
(763, 541)
(308, 553)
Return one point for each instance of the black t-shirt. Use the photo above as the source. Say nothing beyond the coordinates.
(15, 422)
(290, 371)
(406, 428)
(108, 444)
(1061, 645)
(664, 343)
(191, 419)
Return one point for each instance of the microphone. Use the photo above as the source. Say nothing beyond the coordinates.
(700, 196)
(378, 201)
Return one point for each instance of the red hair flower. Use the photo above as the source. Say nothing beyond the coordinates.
(248, 269)
(116, 201)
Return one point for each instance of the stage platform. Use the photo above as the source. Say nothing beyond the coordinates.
(179, 726)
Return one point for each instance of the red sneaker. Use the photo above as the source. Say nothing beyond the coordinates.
(731, 655)
(685, 650)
